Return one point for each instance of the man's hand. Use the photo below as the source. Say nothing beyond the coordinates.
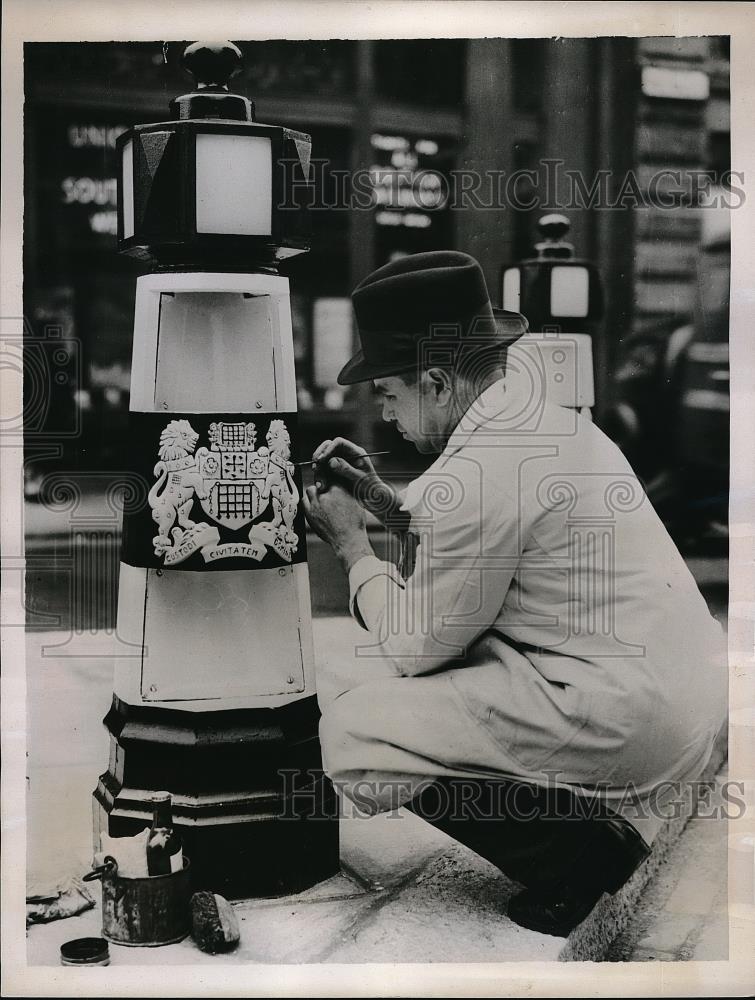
(339, 520)
(344, 462)
(341, 458)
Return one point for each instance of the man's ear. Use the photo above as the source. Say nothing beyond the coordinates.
(440, 382)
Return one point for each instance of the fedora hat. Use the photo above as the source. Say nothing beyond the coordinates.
(402, 304)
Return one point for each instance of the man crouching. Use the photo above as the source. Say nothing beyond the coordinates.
(544, 665)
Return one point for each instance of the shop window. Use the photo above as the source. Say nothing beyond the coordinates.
(320, 279)
(76, 189)
(410, 178)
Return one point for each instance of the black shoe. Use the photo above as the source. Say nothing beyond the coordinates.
(608, 864)
(622, 852)
(549, 914)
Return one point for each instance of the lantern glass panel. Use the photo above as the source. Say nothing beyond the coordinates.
(234, 180)
(512, 282)
(570, 291)
(127, 188)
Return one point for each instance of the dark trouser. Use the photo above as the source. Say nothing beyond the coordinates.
(541, 837)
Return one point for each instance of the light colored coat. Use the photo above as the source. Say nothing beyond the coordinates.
(549, 625)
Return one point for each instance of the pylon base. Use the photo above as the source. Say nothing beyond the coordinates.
(256, 814)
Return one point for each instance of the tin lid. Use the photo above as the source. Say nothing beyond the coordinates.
(84, 951)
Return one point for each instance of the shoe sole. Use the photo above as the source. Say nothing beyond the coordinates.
(548, 927)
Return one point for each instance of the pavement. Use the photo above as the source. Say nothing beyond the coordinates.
(406, 893)
(683, 913)
(451, 909)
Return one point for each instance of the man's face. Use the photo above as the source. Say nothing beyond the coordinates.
(414, 411)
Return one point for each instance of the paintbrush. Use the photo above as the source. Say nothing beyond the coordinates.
(370, 454)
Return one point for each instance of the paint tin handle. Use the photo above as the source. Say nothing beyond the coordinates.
(110, 865)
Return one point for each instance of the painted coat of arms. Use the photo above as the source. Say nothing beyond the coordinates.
(235, 483)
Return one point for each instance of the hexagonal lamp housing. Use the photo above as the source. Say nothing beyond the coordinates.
(213, 187)
(554, 289)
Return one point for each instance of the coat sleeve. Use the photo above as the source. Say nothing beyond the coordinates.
(469, 548)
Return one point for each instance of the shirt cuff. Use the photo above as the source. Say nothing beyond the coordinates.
(366, 569)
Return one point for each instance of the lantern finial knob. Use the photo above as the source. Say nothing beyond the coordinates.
(212, 64)
(554, 227)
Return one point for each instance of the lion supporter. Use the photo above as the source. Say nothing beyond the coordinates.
(542, 667)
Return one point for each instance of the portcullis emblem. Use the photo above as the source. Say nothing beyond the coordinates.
(235, 485)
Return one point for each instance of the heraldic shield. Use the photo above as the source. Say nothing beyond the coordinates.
(235, 483)
(234, 475)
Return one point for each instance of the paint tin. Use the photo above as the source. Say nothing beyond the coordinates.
(145, 912)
